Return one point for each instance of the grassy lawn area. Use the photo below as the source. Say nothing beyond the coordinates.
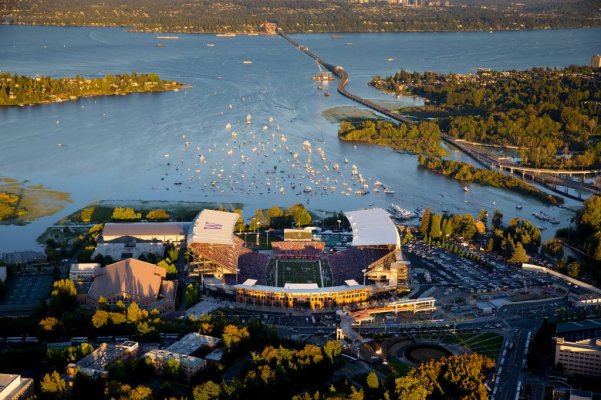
(290, 271)
(488, 344)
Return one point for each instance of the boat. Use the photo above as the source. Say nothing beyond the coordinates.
(388, 191)
(335, 37)
(247, 62)
(378, 183)
(466, 189)
(519, 207)
(327, 94)
(308, 189)
(554, 221)
(248, 119)
(226, 35)
(160, 45)
(401, 213)
(390, 59)
(210, 44)
(168, 37)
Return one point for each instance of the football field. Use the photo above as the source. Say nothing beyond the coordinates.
(298, 271)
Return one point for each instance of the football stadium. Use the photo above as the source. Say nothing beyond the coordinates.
(299, 271)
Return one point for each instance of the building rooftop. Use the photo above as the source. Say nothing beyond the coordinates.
(192, 342)
(158, 229)
(7, 379)
(139, 279)
(372, 227)
(213, 227)
(184, 359)
(215, 356)
(106, 354)
(578, 326)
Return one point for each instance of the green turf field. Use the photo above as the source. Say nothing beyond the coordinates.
(298, 271)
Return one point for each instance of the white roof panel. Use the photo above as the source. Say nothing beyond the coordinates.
(213, 227)
(372, 227)
(301, 286)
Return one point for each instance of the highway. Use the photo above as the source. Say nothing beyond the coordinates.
(343, 77)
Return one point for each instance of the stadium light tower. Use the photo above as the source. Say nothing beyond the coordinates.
(364, 271)
(258, 225)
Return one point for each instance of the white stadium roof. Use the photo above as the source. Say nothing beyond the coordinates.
(373, 227)
(213, 227)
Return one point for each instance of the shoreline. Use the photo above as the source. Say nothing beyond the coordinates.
(133, 30)
(76, 98)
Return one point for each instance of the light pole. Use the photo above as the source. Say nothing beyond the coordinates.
(267, 238)
(258, 225)
(237, 272)
(364, 271)
(339, 221)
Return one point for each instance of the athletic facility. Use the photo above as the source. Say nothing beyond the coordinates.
(298, 272)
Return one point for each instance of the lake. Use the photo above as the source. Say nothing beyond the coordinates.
(196, 145)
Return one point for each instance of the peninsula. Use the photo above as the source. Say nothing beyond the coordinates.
(19, 90)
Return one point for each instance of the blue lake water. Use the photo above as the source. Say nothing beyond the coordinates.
(138, 146)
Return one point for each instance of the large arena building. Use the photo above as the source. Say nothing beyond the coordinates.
(299, 271)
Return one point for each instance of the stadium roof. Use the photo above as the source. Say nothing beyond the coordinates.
(372, 227)
(274, 289)
(213, 227)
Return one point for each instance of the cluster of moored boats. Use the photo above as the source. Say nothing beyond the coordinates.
(263, 161)
(545, 217)
(396, 212)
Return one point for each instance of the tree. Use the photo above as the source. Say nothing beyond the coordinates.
(232, 335)
(574, 269)
(100, 319)
(299, 214)
(63, 297)
(410, 387)
(372, 380)
(425, 223)
(158, 214)
(435, 230)
(497, 220)
(125, 214)
(48, 324)
(332, 349)
(53, 386)
(172, 369)
(207, 391)
(134, 314)
(519, 254)
(169, 266)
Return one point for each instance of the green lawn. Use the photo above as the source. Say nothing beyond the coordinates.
(296, 271)
(488, 344)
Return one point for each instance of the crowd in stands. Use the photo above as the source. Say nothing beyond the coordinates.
(224, 255)
(252, 265)
(348, 264)
(298, 250)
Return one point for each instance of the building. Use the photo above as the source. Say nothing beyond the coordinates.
(300, 295)
(579, 330)
(298, 235)
(192, 342)
(581, 357)
(571, 394)
(212, 246)
(15, 387)
(84, 271)
(96, 364)
(596, 61)
(172, 232)
(215, 356)
(131, 240)
(188, 365)
(3, 274)
(137, 281)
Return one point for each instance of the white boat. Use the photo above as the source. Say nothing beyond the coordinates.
(247, 62)
(466, 189)
(308, 189)
(248, 119)
(210, 44)
(378, 183)
(388, 191)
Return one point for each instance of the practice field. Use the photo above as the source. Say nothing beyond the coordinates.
(27, 290)
(298, 271)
